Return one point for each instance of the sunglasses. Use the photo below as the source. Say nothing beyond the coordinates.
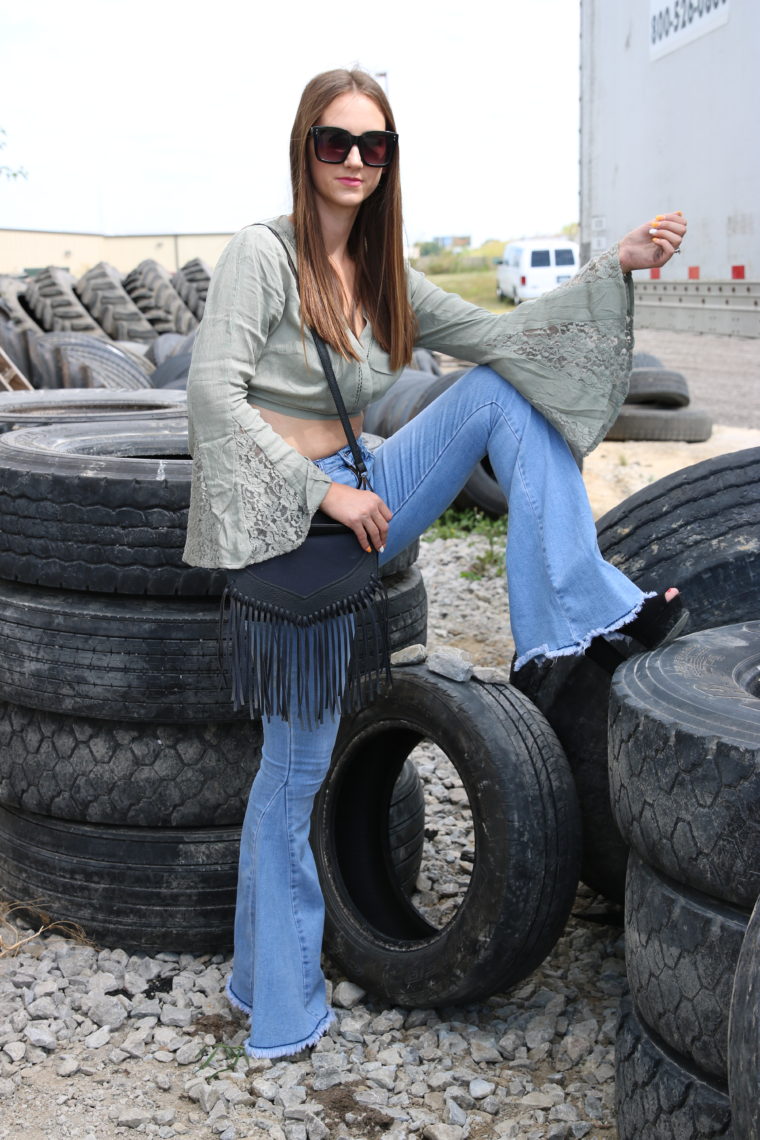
(333, 144)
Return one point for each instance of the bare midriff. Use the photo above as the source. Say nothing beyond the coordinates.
(315, 439)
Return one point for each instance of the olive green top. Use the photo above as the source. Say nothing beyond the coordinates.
(253, 496)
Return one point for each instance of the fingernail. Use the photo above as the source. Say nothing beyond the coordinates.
(680, 212)
(659, 217)
(381, 550)
(368, 549)
(653, 230)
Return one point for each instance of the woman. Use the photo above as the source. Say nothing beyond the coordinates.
(269, 450)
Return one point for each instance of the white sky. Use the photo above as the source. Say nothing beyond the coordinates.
(174, 116)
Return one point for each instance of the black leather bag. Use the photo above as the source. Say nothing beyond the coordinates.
(307, 631)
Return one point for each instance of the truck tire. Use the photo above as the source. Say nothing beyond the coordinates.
(192, 282)
(685, 760)
(125, 658)
(51, 298)
(149, 285)
(698, 529)
(526, 843)
(72, 405)
(657, 1096)
(78, 360)
(13, 302)
(744, 1035)
(139, 889)
(687, 425)
(682, 950)
(658, 386)
(101, 292)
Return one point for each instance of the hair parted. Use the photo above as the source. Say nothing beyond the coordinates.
(375, 243)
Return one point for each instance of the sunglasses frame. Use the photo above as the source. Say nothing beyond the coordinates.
(355, 140)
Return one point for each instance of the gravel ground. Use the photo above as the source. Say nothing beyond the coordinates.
(95, 1044)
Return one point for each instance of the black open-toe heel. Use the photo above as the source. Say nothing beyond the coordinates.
(658, 622)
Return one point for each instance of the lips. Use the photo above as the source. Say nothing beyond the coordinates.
(350, 181)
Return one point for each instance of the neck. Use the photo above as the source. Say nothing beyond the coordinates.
(336, 226)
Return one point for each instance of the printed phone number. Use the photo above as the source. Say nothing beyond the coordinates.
(680, 15)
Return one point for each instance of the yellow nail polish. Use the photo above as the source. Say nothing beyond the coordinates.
(659, 217)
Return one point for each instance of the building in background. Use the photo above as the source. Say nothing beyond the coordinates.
(669, 121)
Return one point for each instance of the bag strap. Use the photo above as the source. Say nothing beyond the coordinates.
(324, 357)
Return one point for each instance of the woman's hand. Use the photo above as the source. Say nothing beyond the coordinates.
(653, 244)
(363, 512)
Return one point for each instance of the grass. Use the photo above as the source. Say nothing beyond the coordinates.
(479, 287)
(18, 919)
(461, 524)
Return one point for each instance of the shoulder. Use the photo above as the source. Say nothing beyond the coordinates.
(257, 241)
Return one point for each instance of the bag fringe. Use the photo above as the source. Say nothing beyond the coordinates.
(337, 658)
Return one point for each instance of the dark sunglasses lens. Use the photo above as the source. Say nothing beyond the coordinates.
(333, 144)
(376, 148)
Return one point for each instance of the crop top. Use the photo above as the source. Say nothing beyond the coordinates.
(253, 495)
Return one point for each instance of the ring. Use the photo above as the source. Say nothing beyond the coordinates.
(678, 250)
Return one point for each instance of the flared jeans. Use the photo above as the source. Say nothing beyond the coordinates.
(561, 594)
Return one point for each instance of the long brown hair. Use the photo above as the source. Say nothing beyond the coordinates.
(375, 242)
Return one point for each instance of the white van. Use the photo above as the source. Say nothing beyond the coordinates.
(534, 266)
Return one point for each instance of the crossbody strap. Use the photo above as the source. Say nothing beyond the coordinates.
(324, 356)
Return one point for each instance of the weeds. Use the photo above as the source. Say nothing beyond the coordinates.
(229, 1055)
(459, 524)
(13, 939)
(462, 524)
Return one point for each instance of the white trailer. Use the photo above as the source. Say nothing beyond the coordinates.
(670, 119)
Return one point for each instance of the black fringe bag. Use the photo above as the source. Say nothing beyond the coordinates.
(307, 632)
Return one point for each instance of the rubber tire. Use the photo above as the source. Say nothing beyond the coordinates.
(526, 848)
(657, 1096)
(684, 754)
(72, 405)
(101, 292)
(681, 952)
(13, 302)
(744, 1035)
(699, 529)
(192, 282)
(50, 297)
(149, 285)
(686, 425)
(78, 360)
(123, 658)
(646, 360)
(660, 386)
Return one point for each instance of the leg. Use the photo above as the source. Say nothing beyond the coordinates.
(562, 593)
(277, 975)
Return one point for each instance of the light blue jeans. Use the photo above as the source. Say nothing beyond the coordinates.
(561, 594)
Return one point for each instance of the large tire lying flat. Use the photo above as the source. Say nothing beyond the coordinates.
(658, 1097)
(657, 386)
(679, 424)
(103, 507)
(744, 1036)
(123, 658)
(525, 839)
(101, 292)
(149, 285)
(685, 760)
(698, 529)
(72, 405)
(136, 888)
(681, 950)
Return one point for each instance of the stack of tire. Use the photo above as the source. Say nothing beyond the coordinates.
(123, 771)
(685, 778)
(103, 329)
(683, 762)
(658, 407)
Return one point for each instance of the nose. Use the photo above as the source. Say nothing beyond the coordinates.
(354, 158)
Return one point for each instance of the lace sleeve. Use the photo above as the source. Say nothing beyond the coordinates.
(568, 352)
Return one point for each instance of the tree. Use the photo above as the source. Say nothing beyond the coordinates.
(8, 171)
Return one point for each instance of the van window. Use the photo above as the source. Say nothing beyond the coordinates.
(564, 257)
(539, 258)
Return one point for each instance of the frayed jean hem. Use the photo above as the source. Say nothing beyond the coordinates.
(275, 1051)
(578, 648)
